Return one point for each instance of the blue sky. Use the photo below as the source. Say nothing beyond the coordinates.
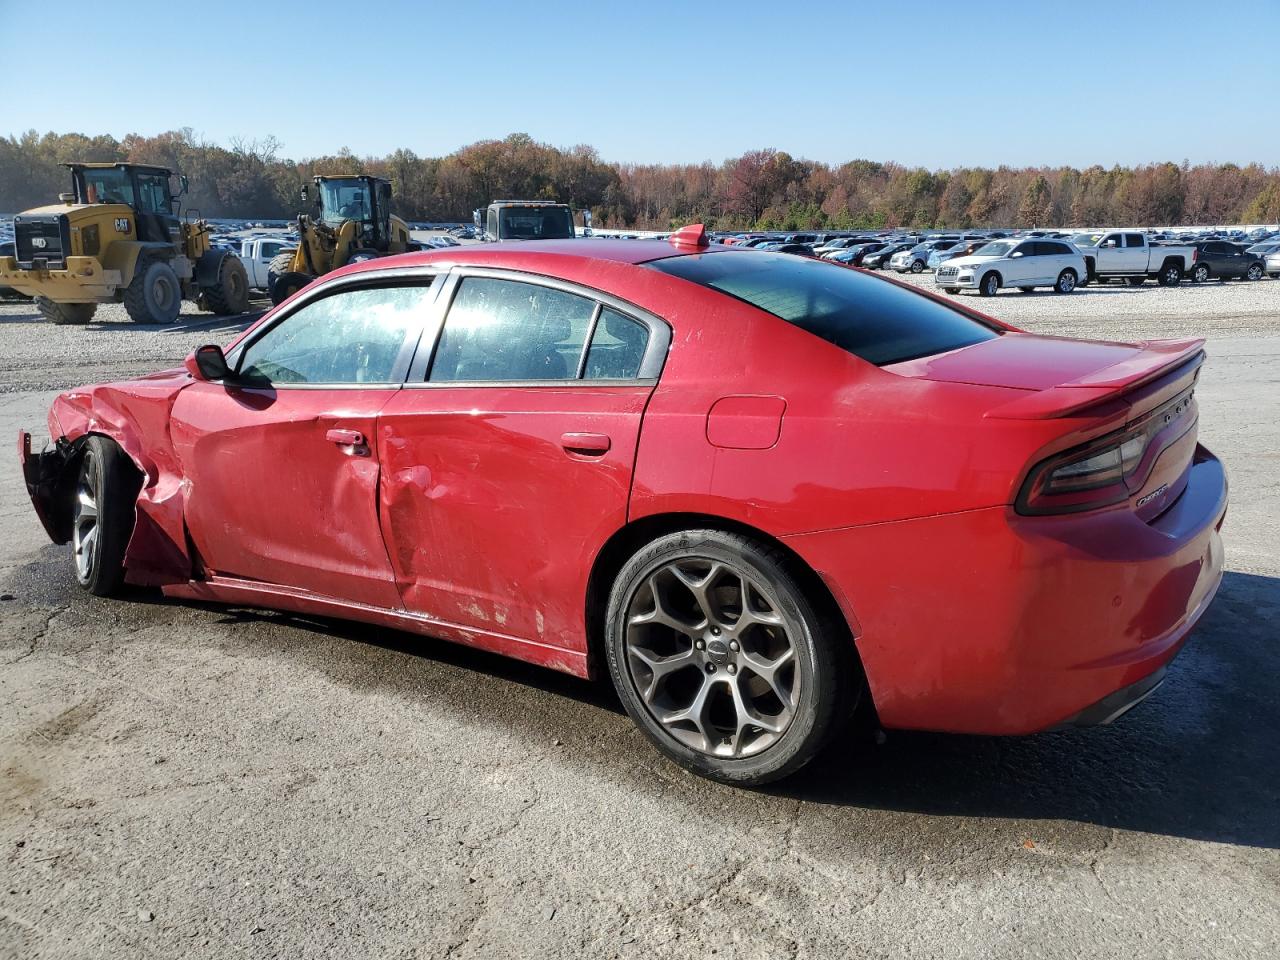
(935, 84)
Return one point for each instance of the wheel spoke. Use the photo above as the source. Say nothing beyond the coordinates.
(660, 667)
(86, 506)
(699, 587)
(694, 713)
(768, 671)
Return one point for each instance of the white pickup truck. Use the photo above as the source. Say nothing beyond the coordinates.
(1128, 255)
(256, 254)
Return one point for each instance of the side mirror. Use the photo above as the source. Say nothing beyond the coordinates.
(1016, 253)
(207, 363)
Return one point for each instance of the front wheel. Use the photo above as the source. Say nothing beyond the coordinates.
(1200, 274)
(1066, 282)
(989, 285)
(102, 515)
(65, 313)
(917, 266)
(1255, 272)
(229, 293)
(723, 660)
(154, 295)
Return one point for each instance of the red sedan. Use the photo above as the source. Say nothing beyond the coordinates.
(750, 487)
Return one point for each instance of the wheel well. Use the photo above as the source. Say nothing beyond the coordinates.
(999, 279)
(627, 540)
(1170, 262)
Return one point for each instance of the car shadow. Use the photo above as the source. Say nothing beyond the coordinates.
(1198, 760)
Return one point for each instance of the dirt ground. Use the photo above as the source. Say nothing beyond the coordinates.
(180, 780)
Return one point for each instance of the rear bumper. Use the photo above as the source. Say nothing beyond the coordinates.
(1115, 705)
(994, 623)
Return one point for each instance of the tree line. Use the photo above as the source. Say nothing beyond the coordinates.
(762, 189)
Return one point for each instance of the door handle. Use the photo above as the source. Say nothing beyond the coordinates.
(347, 438)
(590, 444)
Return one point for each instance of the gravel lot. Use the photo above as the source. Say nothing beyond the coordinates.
(183, 780)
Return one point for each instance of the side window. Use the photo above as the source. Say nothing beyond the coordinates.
(153, 193)
(507, 330)
(1059, 249)
(354, 336)
(1133, 240)
(269, 250)
(1026, 249)
(617, 348)
(1112, 240)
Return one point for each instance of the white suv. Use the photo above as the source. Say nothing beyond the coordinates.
(1022, 263)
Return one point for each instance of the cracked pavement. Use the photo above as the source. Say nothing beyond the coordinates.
(182, 780)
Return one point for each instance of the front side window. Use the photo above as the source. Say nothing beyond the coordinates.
(353, 336)
(505, 330)
(999, 248)
(874, 319)
(153, 193)
(1026, 249)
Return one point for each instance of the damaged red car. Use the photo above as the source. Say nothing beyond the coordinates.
(750, 488)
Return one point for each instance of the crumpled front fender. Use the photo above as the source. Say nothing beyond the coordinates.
(134, 414)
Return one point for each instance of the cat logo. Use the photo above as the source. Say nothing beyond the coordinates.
(123, 225)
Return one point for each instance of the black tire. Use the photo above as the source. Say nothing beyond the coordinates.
(280, 264)
(65, 313)
(989, 284)
(952, 290)
(1200, 273)
(1254, 272)
(1170, 274)
(825, 677)
(286, 285)
(1066, 282)
(111, 482)
(155, 295)
(1027, 289)
(1135, 281)
(918, 265)
(230, 293)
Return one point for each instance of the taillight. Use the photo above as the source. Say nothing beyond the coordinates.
(1106, 470)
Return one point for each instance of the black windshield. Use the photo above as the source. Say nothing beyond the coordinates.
(871, 318)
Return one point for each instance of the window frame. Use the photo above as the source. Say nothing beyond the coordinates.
(651, 364)
(429, 276)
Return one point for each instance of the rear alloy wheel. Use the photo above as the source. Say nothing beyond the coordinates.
(1170, 275)
(102, 515)
(989, 285)
(917, 266)
(721, 659)
(1200, 274)
(65, 313)
(1255, 272)
(1066, 282)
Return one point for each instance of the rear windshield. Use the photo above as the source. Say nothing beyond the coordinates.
(871, 318)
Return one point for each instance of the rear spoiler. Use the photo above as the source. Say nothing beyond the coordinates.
(1157, 359)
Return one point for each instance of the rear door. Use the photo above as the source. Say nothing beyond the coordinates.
(1136, 253)
(508, 457)
(281, 464)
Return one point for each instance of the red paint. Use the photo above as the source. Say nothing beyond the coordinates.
(475, 513)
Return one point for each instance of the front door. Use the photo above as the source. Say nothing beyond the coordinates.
(281, 463)
(508, 462)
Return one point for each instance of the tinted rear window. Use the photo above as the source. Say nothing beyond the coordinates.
(871, 318)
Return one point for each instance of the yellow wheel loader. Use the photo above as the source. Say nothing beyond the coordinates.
(352, 222)
(118, 238)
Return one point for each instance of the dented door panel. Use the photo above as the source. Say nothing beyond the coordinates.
(494, 505)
